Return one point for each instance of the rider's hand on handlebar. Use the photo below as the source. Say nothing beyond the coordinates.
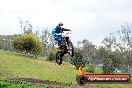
(69, 30)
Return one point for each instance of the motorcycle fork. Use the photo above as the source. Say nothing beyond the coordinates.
(67, 40)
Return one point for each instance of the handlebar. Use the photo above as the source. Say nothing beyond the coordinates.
(64, 33)
(69, 33)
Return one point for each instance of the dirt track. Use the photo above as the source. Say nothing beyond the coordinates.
(49, 84)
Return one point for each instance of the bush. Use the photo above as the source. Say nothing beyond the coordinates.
(98, 71)
(90, 68)
(37, 49)
(28, 43)
(110, 63)
(78, 60)
(52, 55)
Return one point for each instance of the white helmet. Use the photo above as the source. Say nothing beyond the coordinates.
(60, 24)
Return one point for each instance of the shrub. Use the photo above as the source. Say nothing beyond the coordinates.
(52, 55)
(78, 60)
(28, 43)
(90, 68)
(110, 63)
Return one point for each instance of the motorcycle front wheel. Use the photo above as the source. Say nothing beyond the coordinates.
(71, 49)
(59, 56)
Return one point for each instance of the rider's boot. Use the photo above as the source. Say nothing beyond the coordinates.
(59, 48)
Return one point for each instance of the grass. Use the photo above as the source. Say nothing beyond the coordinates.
(4, 83)
(98, 71)
(17, 65)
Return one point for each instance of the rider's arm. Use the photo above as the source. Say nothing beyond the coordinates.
(64, 29)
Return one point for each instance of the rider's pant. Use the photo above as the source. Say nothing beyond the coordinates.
(58, 38)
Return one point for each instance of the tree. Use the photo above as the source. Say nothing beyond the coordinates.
(110, 63)
(28, 43)
(5, 42)
(78, 60)
(101, 53)
(25, 26)
(45, 38)
(17, 43)
(89, 51)
(110, 42)
(125, 37)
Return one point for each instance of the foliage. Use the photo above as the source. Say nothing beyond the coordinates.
(125, 37)
(52, 54)
(126, 34)
(5, 42)
(98, 71)
(17, 43)
(88, 50)
(37, 49)
(111, 62)
(27, 43)
(78, 60)
(120, 43)
(90, 68)
(109, 42)
(25, 26)
(101, 53)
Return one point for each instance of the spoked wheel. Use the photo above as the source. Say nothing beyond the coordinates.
(81, 80)
(59, 56)
(70, 49)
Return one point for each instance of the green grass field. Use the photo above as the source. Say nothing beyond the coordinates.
(14, 65)
(7, 84)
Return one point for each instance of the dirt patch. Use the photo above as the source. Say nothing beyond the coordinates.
(1, 74)
(6, 74)
(40, 82)
(49, 84)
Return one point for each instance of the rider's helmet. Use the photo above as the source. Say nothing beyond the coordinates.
(60, 24)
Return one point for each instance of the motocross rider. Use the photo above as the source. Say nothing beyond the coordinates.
(59, 29)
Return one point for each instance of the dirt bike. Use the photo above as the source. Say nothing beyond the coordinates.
(65, 47)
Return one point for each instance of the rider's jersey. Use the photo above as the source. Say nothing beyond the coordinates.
(56, 30)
